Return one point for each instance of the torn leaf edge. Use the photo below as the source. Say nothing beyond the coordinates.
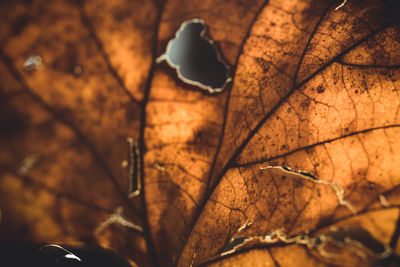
(117, 218)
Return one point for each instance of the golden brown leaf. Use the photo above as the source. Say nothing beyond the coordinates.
(299, 100)
(74, 112)
(299, 153)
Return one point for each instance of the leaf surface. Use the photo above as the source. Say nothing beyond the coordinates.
(74, 113)
(303, 96)
(304, 140)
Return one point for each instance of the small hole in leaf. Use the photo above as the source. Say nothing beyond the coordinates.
(195, 58)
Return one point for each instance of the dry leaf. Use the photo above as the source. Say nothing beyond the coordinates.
(294, 164)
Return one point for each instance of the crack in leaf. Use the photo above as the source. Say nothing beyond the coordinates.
(308, 176)
(135, 181)
(28, 163)
(137, 148)
(384, 201)
(194, 257)
(341, 5)
(244, 226)
(117, 218)
(357, 240)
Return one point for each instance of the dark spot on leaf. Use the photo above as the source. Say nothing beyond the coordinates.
(195, 58)
(371, 185)
(263, 63)
(305, 104)
(320, 89)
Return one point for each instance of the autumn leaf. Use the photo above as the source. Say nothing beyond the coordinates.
(295, 163)
(74, 113)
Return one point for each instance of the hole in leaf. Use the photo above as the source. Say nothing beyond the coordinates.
(195, 58)
(33, 63)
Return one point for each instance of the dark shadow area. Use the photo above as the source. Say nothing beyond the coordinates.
(25, 254)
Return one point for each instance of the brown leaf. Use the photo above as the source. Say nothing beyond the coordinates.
(301, 147)
(75, 112)
(293, 103)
